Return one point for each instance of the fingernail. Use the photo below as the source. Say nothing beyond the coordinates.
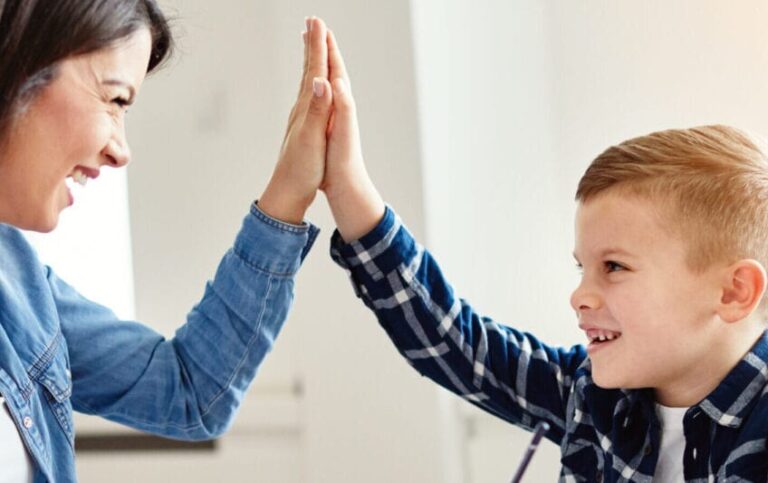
(318, 87)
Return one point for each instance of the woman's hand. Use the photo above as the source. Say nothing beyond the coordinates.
(355, 203)
(300, 169)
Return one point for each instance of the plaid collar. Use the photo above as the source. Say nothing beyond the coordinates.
(735, 396)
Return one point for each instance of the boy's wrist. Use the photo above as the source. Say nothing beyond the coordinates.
(357, 208)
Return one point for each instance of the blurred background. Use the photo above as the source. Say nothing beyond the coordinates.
(478, 119)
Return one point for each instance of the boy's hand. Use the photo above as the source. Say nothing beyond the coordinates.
(301, 166)
(355, 203)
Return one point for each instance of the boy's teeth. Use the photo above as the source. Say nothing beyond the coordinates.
(603, 336)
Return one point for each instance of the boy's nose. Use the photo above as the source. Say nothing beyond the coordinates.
(584, 299)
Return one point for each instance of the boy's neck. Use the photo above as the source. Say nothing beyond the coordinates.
(700, 381)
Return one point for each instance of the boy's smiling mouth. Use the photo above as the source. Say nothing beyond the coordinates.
(599, 338)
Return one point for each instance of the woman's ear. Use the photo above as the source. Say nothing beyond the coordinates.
(742, 290)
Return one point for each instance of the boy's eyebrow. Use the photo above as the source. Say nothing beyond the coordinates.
(615, 251)
(607, 252)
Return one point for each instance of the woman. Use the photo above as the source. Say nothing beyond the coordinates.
(68, 70)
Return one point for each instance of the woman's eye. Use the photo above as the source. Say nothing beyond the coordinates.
(121, 102)
(611, 266)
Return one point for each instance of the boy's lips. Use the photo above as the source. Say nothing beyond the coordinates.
(598, 337)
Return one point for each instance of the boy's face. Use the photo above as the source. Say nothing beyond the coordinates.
(637, 290)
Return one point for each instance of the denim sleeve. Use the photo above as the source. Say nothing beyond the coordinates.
(188, 387)
(506, 372)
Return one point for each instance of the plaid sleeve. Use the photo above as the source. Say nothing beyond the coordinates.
(506, 372)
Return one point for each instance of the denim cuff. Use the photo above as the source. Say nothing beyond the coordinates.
(273, 246)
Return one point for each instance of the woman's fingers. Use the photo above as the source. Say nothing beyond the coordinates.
(315, 65)
(305, 38)
(303, 80)
(317, 58)
(318, 112)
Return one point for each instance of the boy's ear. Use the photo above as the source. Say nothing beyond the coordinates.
(742, 290)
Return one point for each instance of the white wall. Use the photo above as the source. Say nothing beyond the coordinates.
(478, 119)
(494, 216)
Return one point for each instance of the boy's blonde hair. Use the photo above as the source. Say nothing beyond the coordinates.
(711, 183)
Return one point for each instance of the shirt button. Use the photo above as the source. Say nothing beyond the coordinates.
(647, 450)
(27, 422)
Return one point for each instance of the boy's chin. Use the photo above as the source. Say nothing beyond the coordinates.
(606, 380)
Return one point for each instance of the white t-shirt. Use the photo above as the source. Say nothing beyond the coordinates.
(669, 468)
(15, 465)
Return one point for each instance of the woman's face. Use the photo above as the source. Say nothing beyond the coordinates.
(73, 127)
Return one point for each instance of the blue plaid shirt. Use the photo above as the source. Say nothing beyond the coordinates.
(604, 435)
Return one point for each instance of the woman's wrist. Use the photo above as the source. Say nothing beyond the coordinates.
(280, 201)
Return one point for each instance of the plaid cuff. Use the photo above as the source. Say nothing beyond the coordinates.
(370, 258)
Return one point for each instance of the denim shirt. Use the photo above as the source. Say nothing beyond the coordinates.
(605, 435)
(60, 352)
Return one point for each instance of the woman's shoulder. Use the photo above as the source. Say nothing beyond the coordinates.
(14, 243)
(20, 263)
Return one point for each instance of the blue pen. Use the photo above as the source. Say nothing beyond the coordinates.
(538, 433)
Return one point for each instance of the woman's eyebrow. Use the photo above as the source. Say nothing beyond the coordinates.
(119, 83)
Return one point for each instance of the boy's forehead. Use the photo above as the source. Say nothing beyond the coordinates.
(614, 223)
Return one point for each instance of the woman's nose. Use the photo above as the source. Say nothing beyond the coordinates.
(117, 152)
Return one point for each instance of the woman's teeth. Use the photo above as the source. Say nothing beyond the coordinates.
(79, 177)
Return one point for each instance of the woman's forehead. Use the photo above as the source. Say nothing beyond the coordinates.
(124, 62)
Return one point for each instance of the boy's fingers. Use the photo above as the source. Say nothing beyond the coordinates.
(335, 60)
(344, 114)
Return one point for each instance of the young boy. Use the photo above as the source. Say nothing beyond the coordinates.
(671, 238)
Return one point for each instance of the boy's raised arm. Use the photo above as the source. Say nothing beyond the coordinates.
(504, 371)
(355, 203)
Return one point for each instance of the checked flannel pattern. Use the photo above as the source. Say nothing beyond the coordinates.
(604, 435)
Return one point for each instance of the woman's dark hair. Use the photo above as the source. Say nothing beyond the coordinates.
(36, 34)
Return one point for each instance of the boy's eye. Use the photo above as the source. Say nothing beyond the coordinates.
(611, 266)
